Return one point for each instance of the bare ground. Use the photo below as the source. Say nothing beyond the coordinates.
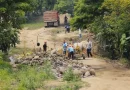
(107, 76)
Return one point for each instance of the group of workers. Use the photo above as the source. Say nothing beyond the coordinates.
(71, 50)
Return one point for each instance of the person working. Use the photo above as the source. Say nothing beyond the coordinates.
(65, 20)
(45, 46)
(80, 35)
(89, 48)
(71, 52)
(67, 27)
(64, 47)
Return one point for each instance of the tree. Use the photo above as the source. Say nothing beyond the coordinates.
(64, 6)
(49, 4)
(12, 14)
(109, 20)
(114, 26)
(85, 12)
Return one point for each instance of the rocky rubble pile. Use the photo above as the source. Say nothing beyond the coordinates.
(59, 64)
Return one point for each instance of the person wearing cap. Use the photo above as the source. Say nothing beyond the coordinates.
(45, 46)
(64, 47)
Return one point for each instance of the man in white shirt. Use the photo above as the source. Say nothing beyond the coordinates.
(89, 48)
(80, 33)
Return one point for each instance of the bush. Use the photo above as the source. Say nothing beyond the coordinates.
(70, 76)
(25, 78)
(5, 74)
(31, 78)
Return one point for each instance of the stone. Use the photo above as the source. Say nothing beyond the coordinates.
(87, 74)
(77, 72)
(29, 58)
(70, 66)
(92, 72)
(54, 52)
(36, 57)
(61, 70)
(25, 62)
(19, 61)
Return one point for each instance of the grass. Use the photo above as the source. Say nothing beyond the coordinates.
(72, 82)
(34, 25)
(69, 86)
(19, 51)
(125, 62)
(25, 77)
(70, 76)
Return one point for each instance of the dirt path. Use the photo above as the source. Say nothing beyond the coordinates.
(108, 77)
(29, 38)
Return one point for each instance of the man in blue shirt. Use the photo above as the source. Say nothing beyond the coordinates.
(64, 47)
(71, 52)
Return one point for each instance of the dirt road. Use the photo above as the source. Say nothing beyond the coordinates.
(107, 77)
(54, 36)
(29, 38)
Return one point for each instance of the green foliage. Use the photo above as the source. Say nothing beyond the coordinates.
(48, 74)
(85, 12)
(12, 14)
(112, 27)
(25, 78)
(39, 6)
(124, 61)
(19, 51)
(64, 6)
(109, 20)
(8, 38)
(34, 25)
(5, 79)
(70, 76)
(5, 74)
(31, 79)
(3, 64)
(49, 4)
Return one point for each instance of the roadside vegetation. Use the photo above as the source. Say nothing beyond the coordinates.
(33, 25)
(109, 21)
(23, 77)
(34, 77)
